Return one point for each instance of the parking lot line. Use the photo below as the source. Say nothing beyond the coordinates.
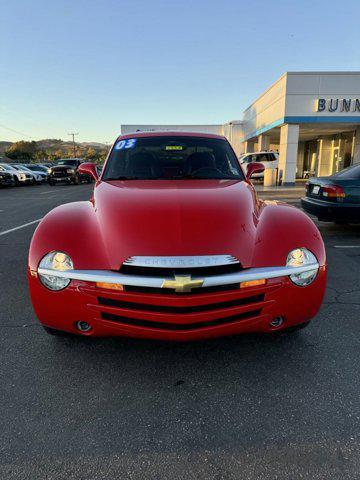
(20, 226)
(346, 246)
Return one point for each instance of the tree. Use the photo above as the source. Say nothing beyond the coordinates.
(21, 150)
(40, 155)
(91, 154)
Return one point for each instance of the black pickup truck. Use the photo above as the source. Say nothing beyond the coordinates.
(66, 170)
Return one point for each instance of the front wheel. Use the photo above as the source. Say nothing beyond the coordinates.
(76, 180)
(56, 333)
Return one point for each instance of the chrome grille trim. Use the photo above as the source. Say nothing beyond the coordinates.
(181, 261)
(246, 275)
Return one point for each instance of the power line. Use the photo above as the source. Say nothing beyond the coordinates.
(16, 131)
(72, 134)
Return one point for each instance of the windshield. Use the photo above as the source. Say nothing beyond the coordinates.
(172, 158)
(35, 168)
(23, 168)
(6, 168)
(67, 162)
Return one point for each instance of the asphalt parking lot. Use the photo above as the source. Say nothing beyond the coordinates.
(250, 407)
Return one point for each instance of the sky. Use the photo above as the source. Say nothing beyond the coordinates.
(88, 66)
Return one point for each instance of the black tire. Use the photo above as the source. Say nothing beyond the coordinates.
(56, 333)
(76, 180)
(16, 180)
(51, 183)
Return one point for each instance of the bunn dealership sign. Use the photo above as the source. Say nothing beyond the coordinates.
(338, 105)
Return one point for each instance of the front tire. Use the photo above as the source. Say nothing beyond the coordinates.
(76, 180)
(56, 333)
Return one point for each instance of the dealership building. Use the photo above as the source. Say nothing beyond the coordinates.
(311, 118)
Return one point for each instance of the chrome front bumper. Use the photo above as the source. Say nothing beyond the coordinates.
(106, 276)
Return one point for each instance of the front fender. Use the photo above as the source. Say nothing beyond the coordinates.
(282, 228)
(71, 228)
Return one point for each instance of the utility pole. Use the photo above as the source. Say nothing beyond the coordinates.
(73, 140)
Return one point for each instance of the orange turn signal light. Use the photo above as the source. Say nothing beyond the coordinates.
(253, 283)
(110, 286)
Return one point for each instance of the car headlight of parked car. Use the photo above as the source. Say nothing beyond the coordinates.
(301, 257)
(70, 170)
(58, 261)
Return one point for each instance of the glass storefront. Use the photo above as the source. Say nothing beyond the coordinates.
(325, 155)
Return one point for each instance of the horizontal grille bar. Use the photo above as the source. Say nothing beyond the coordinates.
(178, 326)
(110, 302)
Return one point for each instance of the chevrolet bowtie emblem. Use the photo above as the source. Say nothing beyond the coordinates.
(182, 283)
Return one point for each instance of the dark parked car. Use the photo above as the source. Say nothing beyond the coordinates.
(6, 178)
(335, 198)
(66, 170)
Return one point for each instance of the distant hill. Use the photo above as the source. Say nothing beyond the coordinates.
(53, 149)
(53, 143)
(4, 146)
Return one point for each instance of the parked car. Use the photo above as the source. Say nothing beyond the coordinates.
(335, 198)
(6, 178)
(268, 159)
(39, 177)
(66, 170)
(175, 244)
(39, 170)
(20, 177)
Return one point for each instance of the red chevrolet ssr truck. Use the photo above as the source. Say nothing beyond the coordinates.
(175, 244)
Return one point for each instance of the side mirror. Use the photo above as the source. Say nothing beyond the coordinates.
(254, 168)
(89, 169)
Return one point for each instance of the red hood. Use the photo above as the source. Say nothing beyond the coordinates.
(184, 217)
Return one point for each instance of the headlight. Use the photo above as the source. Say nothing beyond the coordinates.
(300, 257)
(70, 170)
(55, 261)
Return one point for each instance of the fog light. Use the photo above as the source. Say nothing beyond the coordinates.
(276, 322)
(83, 326)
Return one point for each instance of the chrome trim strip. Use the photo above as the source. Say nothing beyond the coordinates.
(209, 281)
(181, 261)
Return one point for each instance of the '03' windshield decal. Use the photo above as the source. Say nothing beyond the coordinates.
(125, 144)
